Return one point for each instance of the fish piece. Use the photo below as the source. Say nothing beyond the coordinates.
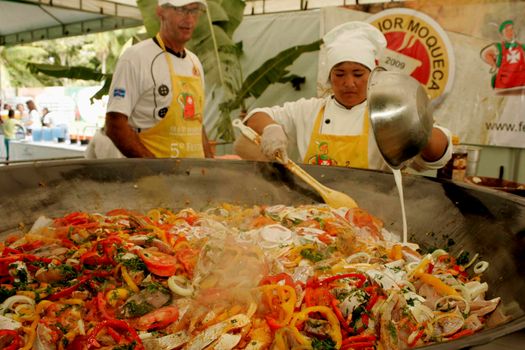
(227, 341)
(167, 342)
(205, 338)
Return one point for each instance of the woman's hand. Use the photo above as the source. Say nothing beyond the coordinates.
(436, 147)
(274, 142)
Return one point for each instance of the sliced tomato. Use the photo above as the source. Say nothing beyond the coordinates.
(160, 264)
(188, 258)
(9, 339)
(317, 297)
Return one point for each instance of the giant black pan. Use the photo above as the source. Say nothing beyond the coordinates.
(439, 214)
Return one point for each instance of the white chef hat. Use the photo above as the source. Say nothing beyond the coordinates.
(354, 41)
(179, 3)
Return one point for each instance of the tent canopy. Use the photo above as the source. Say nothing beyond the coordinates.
(26, 21)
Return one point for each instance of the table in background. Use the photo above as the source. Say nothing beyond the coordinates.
(29, 150)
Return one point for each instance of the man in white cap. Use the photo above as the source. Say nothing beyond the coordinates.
(156, 99)
(335, 130)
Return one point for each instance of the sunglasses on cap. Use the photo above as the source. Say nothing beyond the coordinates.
(187, 10)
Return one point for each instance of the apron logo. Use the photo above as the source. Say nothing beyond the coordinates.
(322, 158)
(187, 104)
(164, 90)
(418, 46)
(119, 92)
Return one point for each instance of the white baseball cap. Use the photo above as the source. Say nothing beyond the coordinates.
(354, 41)
(179, 3)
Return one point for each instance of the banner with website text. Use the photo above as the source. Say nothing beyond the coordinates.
(468, 54)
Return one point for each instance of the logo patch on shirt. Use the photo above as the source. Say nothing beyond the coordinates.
(119, 92)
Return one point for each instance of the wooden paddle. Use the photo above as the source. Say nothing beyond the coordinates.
(333, 198)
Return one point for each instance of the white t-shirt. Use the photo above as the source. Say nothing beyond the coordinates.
(36, 120)
(298, 118)
(141, 86)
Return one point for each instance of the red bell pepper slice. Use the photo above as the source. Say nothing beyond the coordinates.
(13, 339)
(121, 327)
(273, 324)
(317, 297)
(7, 260)
(67, 291)
(359, 342)
(339, 314)
(101, 304)
(462, 333)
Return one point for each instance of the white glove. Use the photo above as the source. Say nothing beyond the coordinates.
(274, 142)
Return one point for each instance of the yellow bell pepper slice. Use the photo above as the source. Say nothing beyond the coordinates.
(441, 287)
(335, 328)
(285, 296)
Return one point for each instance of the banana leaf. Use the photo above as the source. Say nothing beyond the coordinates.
(272, 71)
(71, 72)
(148, 9)
(74, 72)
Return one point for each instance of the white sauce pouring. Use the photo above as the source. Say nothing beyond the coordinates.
(399, 184)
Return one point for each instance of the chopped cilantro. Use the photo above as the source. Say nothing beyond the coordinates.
(463, 258)
(392, 330)
(6, 293)
(323, 344)
(311, 255)
(134, 264)
(134, 309)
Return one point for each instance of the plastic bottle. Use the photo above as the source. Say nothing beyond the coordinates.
(456, 167)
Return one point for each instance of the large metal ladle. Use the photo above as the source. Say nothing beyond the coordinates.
(400, 114)
(333, 198)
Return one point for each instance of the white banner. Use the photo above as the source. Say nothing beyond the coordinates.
(474, 70)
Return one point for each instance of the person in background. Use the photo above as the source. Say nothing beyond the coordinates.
(23, 116)
(10, 127)
(506, 58)
(34, 120)
(335, 130)
(46, 119)
(156, 101)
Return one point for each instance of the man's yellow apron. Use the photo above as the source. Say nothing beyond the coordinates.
(350, 151)
(179, 133)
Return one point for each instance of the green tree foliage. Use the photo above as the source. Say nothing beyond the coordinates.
(69, 61)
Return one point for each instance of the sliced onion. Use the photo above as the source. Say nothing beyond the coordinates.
(180, 285)
(421, 313)
(361, 257)
(480, 267)
(476, 289)
(81, 328)
(471, 261)
(15, 299)
(273, 236)
(447, 324)
(438, 252)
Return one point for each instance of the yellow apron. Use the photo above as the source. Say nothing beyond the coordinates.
(179, 133)
(350, 151)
